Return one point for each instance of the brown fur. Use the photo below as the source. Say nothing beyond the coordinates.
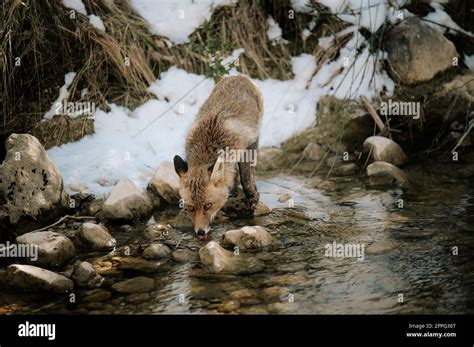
(230, 118)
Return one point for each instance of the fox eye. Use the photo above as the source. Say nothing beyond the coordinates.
(207, 206)
(190, 209)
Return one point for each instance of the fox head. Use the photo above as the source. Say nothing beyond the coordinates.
(204, 191)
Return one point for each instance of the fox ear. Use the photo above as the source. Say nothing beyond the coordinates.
(180, 166)
(218, 175)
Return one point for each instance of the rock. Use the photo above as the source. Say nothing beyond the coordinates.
(417, 52)
(135, 285)
(380, 247)
(53, 248)
(219, 260)
(94, 237)
(261, 210)
(165, 183)
(153, 231)
(284, 198)
(229, 306)
(33, 278)
(156, 251)
(97, 295)
(137, 264)
(138, 298)
(127, 202)
(181, 255)
(266, 158)
(313, 152)
(380, 173)
(248, 237)
(383, 149)
(85, 276)
(94, 207)
(346, 169)
(30, 182)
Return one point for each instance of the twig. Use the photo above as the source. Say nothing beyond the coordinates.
(62, 219)
(471, 125)
(374, 115)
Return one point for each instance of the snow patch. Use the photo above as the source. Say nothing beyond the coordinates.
(63, 94)
(178, 19)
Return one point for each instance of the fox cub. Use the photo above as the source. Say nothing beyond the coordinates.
(229, 121)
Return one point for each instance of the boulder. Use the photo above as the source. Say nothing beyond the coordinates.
(384, 149)
(248, 237)
(53, 248)
(380, 173)
(33, 278)
(346, 169)
(127, 202)
(135, 285)
(156, 251)
(30, 183)
(313, 151)
(219, 260)
(416, 52)
(85, 276)
(165, 183)
(94, 237)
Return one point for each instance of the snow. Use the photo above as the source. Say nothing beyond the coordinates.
(274, 31)
(63, 94)
(75, 5)
(96, 22)
(78, 5)
(469, 61)
(178, 19)
(439, 16)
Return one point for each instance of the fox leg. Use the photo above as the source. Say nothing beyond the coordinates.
(247, 179)
(234, 191)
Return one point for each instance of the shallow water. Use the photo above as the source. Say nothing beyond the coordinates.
(407, 251)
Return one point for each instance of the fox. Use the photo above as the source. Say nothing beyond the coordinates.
(230, 118)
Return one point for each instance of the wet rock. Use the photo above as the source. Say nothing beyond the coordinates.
(248, 237)
(417, 52)
(94, 208)
(313, 152)
(53, 248)
(261, 210)
(135, 285)
(30, 182)
(219, 260)
(127, 202)
(137, 264)
(346, 169)
(156, 251)
(273, 293)
(229, 306)
(380, 173)
(284, 198)
(153, 231)
(380, 247)
(33, 278)
(383, 149)
(165, 183)
(94, 237)
(138, 298)
(85, 276)
(181, 255)
(96, 295)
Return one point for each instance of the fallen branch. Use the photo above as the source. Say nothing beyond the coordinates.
(374, 115)
(64, 218)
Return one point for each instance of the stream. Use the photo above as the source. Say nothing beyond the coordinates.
(408, 265)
